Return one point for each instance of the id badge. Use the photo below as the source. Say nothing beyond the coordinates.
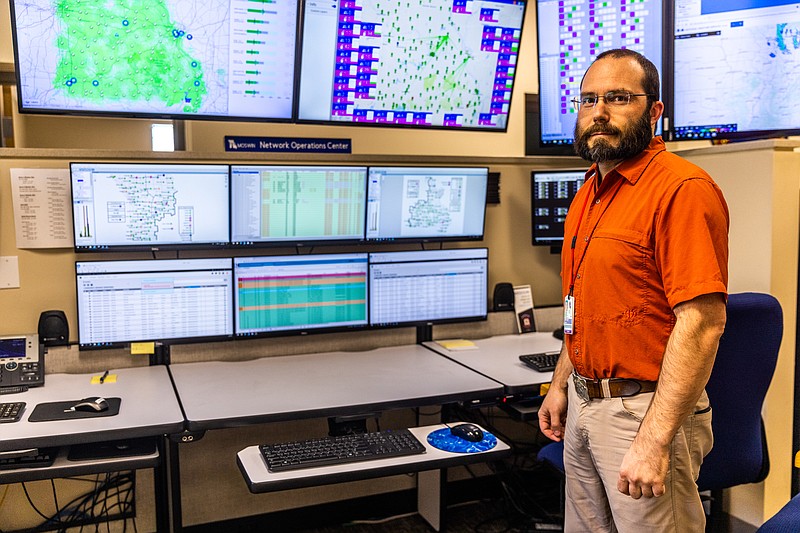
(569, 314)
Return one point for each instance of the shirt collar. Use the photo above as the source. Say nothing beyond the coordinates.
(632, 169)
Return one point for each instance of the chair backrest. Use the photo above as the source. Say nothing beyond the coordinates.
(745, 363)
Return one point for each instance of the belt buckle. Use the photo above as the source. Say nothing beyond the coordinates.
(580, 387)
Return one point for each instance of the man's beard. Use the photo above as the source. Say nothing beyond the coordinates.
(632, 140)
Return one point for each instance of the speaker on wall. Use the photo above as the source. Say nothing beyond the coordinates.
(53, 328)
(503, 299)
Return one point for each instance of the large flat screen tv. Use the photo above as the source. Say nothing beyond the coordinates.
(735, 69)
(571, 33)
(432, 63)
(180, 59)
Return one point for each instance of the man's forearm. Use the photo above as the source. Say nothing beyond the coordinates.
(687, 364)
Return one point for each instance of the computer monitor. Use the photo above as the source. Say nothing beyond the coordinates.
(300, 293)
(426, 203)
(297, 205)
(174, 300)
(735, 70)
(551, 195)
(428, 286)
(435, 64)
(570, 34)
(175, 60)
(146, 206)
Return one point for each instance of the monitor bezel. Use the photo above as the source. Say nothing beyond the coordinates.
(295, 243)
(433, 322)
(554, 244)
(148, 247)
(432, 239)
(166, 341)
(78, 113)
(438, 128)
(294, 332)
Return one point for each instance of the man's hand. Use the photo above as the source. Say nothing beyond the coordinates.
(553, 414)
(643, 471)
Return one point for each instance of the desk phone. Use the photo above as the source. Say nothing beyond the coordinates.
(21, 361)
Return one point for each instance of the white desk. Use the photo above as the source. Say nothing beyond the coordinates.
(229, 394)
(149, 408)
(498, 358)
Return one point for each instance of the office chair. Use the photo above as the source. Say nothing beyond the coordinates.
(787, 520)
(745, 363)
(746, 359)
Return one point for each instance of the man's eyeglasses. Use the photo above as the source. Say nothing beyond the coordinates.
(612, 98)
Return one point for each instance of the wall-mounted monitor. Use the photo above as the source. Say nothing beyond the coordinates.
(179, 59)
(551, 195)
(297, 205)
(175, 300)
(146, 206)
(426, 203)
(428, 286)
(300, 293)
(735, 69)
(571, 33)
(435, 64)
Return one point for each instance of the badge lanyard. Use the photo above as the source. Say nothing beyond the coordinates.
(569, 299)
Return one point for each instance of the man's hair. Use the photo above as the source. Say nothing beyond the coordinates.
(650, 82)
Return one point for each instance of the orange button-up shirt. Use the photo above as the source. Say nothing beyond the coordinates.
(654, 234)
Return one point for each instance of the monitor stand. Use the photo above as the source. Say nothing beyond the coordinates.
(424, 333)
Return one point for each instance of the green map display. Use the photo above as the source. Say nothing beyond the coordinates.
(126, 50)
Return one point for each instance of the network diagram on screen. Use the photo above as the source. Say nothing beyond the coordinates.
(434, 63)
(130, 204)
(171, 57)
(732, 64)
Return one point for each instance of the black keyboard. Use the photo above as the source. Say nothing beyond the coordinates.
(11, 411)
(341, 449)
(543, 362)
(33, 458)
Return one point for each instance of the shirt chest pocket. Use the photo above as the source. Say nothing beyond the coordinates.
(618, 265)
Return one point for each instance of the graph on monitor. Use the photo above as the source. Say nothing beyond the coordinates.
(149, 205)
(300, 293)
(436, 63)
(159, 58)
(297, 204)
(426, 203)
(427, 286)
(154, 300)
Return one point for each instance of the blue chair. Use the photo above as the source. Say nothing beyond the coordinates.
(743, 369)
(787, 520)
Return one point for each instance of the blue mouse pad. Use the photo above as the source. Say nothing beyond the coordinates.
(45, 412)
(442, 439)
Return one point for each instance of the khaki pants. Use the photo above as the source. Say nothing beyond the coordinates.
(597, 436)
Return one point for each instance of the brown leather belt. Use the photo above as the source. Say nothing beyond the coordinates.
(591, 389)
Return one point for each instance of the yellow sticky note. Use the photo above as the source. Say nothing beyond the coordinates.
(797, 460)
(543, 388)
(457, 344)
(143, 348)
(110, 378)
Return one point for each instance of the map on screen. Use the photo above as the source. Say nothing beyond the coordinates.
(164, 57)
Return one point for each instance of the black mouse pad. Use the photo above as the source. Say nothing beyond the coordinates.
(45, 412)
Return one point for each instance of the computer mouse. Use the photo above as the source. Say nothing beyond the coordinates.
(94, 404)
(467, 431)
(559, 333)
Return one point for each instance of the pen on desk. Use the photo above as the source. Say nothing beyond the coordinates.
(104, 376)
